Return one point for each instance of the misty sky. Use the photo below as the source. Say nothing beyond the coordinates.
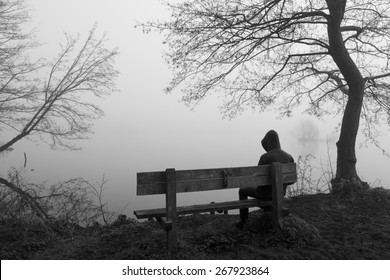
(146, 130)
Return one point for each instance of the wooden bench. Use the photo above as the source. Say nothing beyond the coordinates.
(171, 182)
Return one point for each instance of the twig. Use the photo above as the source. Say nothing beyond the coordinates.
(26, 196)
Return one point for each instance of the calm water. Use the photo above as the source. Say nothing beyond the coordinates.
(205, 144)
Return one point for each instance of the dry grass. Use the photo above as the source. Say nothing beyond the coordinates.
(351, 224)
(321, 226)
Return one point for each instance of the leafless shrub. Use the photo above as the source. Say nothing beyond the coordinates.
(314, 176)
(75, 201)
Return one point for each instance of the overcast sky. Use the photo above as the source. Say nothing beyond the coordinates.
(146, 130)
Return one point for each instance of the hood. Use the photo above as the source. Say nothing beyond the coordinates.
(271, 141)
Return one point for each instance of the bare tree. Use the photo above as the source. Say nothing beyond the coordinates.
(56, 108)
(332, 55)
(48, 99)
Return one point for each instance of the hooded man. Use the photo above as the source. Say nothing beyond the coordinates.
(274, 153)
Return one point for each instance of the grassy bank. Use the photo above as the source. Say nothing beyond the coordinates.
(355, 225)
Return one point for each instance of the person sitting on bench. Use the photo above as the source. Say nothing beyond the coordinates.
(274, 153)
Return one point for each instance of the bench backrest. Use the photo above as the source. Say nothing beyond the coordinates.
(212, 179)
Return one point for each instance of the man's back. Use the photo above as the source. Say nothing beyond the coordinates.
(274, 153)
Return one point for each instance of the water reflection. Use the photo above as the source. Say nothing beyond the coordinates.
(310, 141)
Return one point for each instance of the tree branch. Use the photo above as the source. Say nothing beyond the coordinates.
(31, 200)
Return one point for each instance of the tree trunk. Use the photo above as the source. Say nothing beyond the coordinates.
(346, 156)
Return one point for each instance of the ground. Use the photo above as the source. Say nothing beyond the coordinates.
(353, 225)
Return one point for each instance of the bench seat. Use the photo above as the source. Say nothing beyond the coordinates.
(201, 208)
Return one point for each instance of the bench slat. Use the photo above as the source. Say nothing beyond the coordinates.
(254, 181)
(213, 173)
(213, 184)
(219, 206)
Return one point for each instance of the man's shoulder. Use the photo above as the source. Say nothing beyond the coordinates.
(288, 155)
(278, 155)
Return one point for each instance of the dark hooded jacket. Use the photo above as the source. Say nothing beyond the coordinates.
(273, 153)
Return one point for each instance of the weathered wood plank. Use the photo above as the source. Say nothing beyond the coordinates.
(253, 181)
(200, 208)
(216, 173)
(277, 194)
(213, 184)
(171, 208)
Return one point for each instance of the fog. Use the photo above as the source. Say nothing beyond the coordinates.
(146, 130)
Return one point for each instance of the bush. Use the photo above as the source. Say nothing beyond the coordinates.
(75, 201)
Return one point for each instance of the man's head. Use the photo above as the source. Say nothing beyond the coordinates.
(271, 141)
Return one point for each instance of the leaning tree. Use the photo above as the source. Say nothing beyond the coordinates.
(331, 55)
(49, 98)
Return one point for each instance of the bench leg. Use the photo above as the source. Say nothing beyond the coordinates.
(172, 240)
(171, 209)
(170, 229)
(277, 194)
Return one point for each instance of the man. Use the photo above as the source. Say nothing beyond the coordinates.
(274, 153)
